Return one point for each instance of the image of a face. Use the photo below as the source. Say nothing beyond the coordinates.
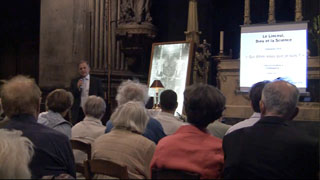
(84, 69)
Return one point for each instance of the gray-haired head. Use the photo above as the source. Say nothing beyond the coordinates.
(16, 153)
(132, 91)
(95, 107)
(131, 116)
(20, 95)
(280, 98)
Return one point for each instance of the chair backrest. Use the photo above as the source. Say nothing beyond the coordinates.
(105, 167)
(82, 146)
(173, 174)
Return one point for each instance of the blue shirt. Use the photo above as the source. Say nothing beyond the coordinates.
(153, 131)
(53, 153)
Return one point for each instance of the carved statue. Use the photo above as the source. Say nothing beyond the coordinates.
(201, 63)
(135, 11)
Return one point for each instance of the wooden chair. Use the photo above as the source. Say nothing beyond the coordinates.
(82, 146)
(105, 167)
(173, 174)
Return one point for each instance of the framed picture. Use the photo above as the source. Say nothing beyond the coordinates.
(171, 64)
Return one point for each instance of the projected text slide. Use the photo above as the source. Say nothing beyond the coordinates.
(271, 55)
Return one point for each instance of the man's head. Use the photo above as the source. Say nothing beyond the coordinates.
(59, 100)
(83, 68)
(255, 94)
(168, 101)
(279, 98)
(21, 95)
(94, 107)
(203, 104)
(132, 91)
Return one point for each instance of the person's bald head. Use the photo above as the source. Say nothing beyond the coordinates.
(279, 98)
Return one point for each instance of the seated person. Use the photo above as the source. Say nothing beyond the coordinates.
(134, 91)
(16, 152)
(273, 148)
(169, 104)
(191, 148)
(58, 104)
(125, 144)
(91, 127)
(3, 118)
(255, 97)
(218, 128)
(52, 150)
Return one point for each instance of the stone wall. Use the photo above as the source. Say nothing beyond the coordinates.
(63, 41)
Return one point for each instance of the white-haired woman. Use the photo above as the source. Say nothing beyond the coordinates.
(125, 144)
(135, 91)
(16, 152)
(91, 127)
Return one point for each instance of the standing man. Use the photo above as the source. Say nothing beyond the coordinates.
(272, 148)
(82, 87)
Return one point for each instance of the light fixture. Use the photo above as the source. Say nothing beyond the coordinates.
(157, 85)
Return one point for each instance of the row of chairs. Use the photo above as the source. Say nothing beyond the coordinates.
(109, 168)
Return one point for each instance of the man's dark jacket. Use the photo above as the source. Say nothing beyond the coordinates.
(53, 154)
(95, 88)
(271, 149)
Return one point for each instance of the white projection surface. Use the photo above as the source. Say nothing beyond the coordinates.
(270, 52)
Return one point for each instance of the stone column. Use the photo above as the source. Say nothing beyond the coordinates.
(271, 18)
(247, 12)
(298, 11)
(192, 33)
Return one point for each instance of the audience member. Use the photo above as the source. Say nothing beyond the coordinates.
(82, 87)
(191, 148)
(272, 148)
(21, 103)
(124, 144)
(16, 152)
(58, 104)
(91, 127)
(3, 119)
(134, 91)
(168, 104)
(218, 128)
(255, 97)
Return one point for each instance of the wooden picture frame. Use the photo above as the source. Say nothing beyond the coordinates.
(171, 63)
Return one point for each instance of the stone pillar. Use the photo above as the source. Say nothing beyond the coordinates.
(63, 41)
(271, 18)
(247, 12)
(298, 11)
(192, 33)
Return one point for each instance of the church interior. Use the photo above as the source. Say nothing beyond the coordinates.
(45, 39)
(49, 40)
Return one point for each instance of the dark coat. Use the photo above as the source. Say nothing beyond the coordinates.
(271, 149)
(53, 153)
(94, 89)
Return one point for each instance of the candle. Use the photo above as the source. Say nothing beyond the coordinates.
(221, 41)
